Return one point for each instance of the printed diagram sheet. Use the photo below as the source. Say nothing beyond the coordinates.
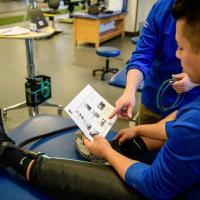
(90, 111)
(15, 30)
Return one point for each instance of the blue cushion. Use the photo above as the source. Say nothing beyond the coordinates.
(108, 51)
(135, 39)
(119, 80)
(59, 145)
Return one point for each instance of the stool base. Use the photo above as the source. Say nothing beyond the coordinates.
(104, 71)
(108, 52)
(33, 110)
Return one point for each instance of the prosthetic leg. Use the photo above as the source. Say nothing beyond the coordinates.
(80, 180)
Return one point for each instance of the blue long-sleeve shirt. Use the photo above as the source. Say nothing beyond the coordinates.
(176, 168)
(155, 57)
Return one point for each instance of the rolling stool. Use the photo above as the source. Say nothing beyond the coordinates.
(52, 13)
(106, 52)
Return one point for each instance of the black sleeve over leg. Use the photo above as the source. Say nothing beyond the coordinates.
(80, 180)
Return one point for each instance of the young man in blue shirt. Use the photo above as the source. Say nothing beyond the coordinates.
(176, 169)
(154, 61)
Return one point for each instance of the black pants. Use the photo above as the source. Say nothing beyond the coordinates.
(80, 180)
(74, 180)
(85, 180)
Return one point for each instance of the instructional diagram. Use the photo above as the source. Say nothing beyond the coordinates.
(90, 111)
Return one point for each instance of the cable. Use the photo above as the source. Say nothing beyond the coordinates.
(29, 140)
(46, 88)
(162, 91)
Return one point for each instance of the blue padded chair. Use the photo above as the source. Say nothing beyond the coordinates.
(135, 39)
(119, 80)
(59, 145)
(107, 52)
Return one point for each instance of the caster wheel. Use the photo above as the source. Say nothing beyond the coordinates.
(4, 114)
(60, 110)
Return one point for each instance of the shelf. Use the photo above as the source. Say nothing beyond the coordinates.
(110, 34)
(87, 30)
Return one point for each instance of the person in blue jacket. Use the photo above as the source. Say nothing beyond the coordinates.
(175, 172)
(154, 62)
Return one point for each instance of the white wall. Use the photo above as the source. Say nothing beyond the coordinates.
(144, 7)
(131, 16)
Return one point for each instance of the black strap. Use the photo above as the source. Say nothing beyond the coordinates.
(32, 139)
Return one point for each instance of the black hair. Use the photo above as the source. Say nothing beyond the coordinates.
(189, 10)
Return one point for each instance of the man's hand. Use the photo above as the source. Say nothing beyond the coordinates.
(126, 134)
(99, 147)
(124, 106)
(183, 83)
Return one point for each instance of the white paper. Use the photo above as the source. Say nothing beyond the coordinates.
(115, 5)
(90, 111)
(15, 30)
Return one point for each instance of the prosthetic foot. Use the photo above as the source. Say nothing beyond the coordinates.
(129, 148)
(81, 148)
(5, 144)
(5, 141)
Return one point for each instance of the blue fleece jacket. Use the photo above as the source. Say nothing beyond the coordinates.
(155, 57)
(176, 168)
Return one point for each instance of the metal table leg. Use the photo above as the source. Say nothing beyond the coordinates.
(33, 110)
(13, 107)
(52, 104)
(31, 74)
